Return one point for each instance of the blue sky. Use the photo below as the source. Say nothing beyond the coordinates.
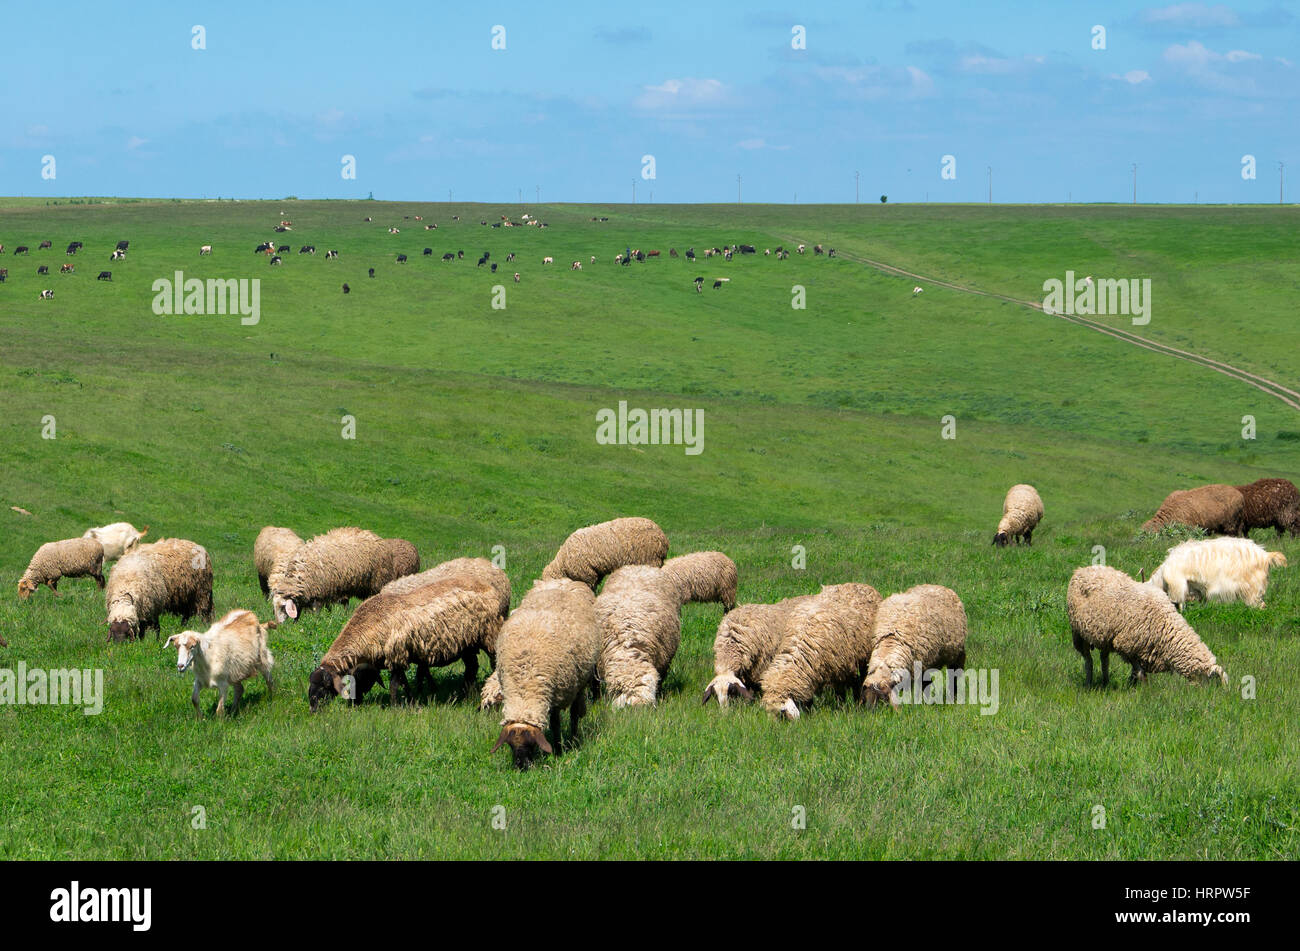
(582, 91)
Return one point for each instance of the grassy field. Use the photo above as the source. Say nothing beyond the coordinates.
(475, 428)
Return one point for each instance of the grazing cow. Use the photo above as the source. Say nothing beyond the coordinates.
(690, 254)
(281, 229)
(699, 279)
(121, 245)
(455, 217)
(394, 231)
(640, 256)
(830, 253)
(516, 277)
(307, 249)
(47, 294)
(21, 249)
(428, 252)
(481, 261)
(672, 252)
(401, 259)
(575, 266)
(708, 252)
(372, 272)
(2, 249)
(105, 276)
(346, 289)
(618, 259)
(449, 256)
(483, 222)
(593, 259)
(652, 254)
(548, 260)
(817, 249)
(276, 259)
(747, 249)
(726, 255)
(206, 249)
(627, 260)
(331, 255)
(117, 256)
(917, 290)
(719, 282)
(496, 224)
(67, 268)
(282, 249)
(43, 269)
(800, 248)
(45, 244)
(4, 274)
(370, 219)
(494, 267)
(264, 246)
(460, 255)
(509, 257)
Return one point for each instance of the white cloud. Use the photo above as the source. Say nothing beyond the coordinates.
(688, 93)
(135, 142)
(877, 82)
(752, 144)
(1197, 16)
(1133, 77)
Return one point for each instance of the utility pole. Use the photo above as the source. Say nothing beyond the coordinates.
(856, 193)
(521, 196)
(449, 194)
(990, 171)
(737, 188)
(1135, 183)
(539, 193)
(1281, 171)
(634, 191)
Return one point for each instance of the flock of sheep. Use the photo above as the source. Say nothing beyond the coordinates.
(572, 638)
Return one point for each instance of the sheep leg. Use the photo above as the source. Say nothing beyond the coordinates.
(471, 670)
(238, 695)
(54, 586)
(194, 699)
(576, 713)
(1105, 666)
(1029, 537)
(1082, 647)
(221, 700)
(397, 673)
(270, 687)
(555, 731)
(99, 579)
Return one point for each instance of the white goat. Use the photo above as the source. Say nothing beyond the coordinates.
(230, 652)
(1216, 569)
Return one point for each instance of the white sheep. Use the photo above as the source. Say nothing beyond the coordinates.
(117, 538)
(1216, 569)
(1022, 510)
(228, 653)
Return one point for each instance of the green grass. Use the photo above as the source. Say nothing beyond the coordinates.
(476, 428)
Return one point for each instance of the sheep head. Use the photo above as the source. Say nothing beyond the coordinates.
(525, 741)
(882, 684)
(725, 686)
(26, 588)
(1000, 539)
(286, 609)
(123, 621)
(1217, 673)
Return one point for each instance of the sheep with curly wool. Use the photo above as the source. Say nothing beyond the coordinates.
(704, 576)
(1022, 510)
(546, 655)
(69, 558)
(639, 616)
(1110, 611)
(1216, 569)
(826, 643)
(170, 576)
(748, 638)
(591, 553)
(1271, 503)
(271, 548)
(333, 568)
(1215, 508)
(923, 627)
(231, 651)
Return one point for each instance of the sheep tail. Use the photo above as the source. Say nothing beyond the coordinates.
(1276, 558)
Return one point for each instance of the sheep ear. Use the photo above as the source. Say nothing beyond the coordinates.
(1142, 575)
(172, 641)
(739, 690)
(500, 739)
(708, 695)
(544, 743)
(894, 700)
(291, 609)
(340, 685)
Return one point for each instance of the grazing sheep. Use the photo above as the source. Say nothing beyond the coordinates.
(170, 576)
(1270, 503)
(748, 638)
(1215, 508)
(591, 553)
(546, 656)
(272, 547)
(826, 643)
(925, 626)
(437, 624)
(479, 569)
(117, 538)
(1022, 510)
(70, 558)
(1216, 569)
(639, 616)
(704, 576)
(231, 651)
(343, 563)
(1110, 611)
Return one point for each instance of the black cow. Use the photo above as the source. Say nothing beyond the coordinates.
(307, 249)
(830, 253)
(460, 255)
(428, 252)
(372, 272)
(282, 249)
(121, 245)
(264, 246)
(716, 285)
(43, 269)
(690, 254)
(277, 260)
(331, 254)
(401, 259)
(449, 256)
(494, 267)
(746, 249)
(510, 257)
(346, 289)
(45, 244)
(105, 276)
(481, 261)
(21, 249)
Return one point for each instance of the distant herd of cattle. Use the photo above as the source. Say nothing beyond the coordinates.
(274, 250)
